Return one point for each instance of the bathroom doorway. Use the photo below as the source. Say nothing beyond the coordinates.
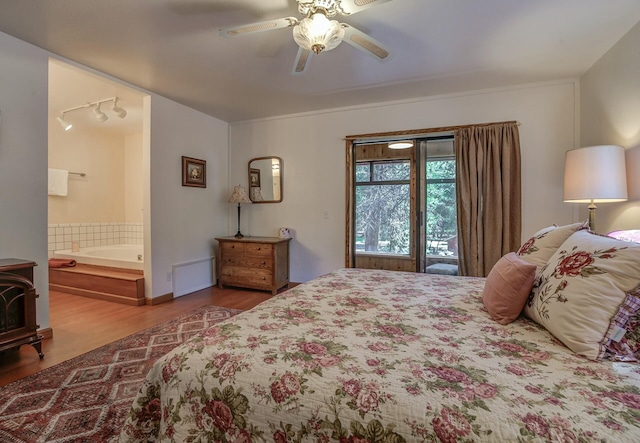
(95, 202)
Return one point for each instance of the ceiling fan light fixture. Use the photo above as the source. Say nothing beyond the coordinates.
(317, 33)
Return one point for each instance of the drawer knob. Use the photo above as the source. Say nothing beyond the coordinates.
(259, 248)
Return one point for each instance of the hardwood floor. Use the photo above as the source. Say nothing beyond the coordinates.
(82, 324)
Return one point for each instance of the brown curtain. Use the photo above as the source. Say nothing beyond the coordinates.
(488, 195)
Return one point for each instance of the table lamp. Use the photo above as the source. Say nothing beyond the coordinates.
(239, 196)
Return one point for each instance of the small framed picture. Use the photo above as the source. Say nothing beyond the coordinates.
(254, 178)
(194, 172)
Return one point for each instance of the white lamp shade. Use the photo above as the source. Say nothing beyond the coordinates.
(595, 173)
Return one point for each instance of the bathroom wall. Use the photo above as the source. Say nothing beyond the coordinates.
(99, 195)
(105, 206)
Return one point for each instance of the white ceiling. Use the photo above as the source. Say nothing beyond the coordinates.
(172, 47)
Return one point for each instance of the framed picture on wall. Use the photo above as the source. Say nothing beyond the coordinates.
(194, 172)
(254, 178)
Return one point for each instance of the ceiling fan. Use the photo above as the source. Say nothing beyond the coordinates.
(316, 33)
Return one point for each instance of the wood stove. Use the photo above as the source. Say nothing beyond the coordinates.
(18, 305)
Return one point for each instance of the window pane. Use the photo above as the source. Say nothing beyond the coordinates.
(362, 172)
(388, 171)
(440, 169)
(441, 228)
(383, 219)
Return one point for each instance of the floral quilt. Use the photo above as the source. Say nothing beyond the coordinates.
(361, 356)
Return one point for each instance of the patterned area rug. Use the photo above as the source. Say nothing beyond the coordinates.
(87, 398)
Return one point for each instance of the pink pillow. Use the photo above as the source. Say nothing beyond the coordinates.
(507, 288)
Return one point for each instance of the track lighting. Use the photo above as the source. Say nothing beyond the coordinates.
(117, 109)
(99, 114)
(95, 106)
(65, 124)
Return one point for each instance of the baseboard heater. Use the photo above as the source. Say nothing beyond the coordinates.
(193, 276)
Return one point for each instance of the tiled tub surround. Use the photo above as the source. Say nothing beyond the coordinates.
(62, 235)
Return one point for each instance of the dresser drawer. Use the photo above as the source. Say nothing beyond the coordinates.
(247, 261)
(246, 277)
(258, 248)
(232, 248)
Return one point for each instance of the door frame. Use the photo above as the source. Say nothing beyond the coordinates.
(380, 152)
(351, 141)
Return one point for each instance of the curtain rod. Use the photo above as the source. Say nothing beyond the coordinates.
(417, 132)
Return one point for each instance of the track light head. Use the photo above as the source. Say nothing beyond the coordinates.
(118, 110)
(99, 114)
(65, 124)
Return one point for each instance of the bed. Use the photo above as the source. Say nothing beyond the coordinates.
(379, 356)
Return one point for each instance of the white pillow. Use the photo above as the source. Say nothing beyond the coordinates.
(579, 295)
(544, 243)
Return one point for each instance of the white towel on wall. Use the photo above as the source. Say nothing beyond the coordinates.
(58, 182)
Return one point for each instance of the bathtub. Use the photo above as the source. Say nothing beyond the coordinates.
(115, 256)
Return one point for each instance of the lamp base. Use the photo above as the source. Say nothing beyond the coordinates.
(238, 234)
(592, 216)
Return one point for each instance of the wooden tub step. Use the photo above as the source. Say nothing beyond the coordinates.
(119, 285)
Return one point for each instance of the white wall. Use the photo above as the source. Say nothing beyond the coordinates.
(313, 152)
(181, 221)
(610, 114)
(133, 175)
(23, 160)
(100, 195)
(184, 220)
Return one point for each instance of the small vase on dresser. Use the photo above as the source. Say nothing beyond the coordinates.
(253, 262)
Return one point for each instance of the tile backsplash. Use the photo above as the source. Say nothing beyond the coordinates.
(61, 235)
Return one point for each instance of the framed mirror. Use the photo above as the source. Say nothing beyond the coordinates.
(265, 179)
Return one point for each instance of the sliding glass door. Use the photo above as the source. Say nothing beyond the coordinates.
(384, 211)
(401, 203)
(439, 242)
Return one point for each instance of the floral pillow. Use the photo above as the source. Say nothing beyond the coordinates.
(539, 248)
(587, 292)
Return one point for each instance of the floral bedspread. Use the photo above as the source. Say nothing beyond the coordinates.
(379, 356)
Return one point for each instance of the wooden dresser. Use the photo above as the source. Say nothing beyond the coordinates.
(254, 262)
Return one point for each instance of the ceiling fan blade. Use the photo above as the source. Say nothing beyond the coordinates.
(251, 28)
(302, 62)
(365, 43)
(349, 7)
